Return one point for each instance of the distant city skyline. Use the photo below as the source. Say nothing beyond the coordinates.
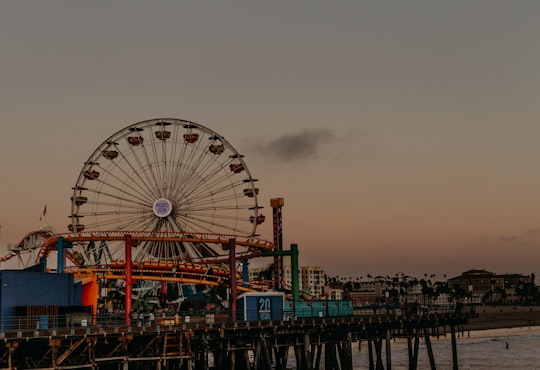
(402, 136)
(426, 275)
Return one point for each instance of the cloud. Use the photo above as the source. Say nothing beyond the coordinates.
(304, 145)
(508, 239)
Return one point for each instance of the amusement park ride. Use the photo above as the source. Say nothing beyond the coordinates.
(163, 212)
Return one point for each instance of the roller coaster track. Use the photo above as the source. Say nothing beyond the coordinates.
(207, 272)
(181, 275)
(254, 245)
(31, 241)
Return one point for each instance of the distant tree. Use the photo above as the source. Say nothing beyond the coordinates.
(501, 293)
(267, 273)
(487, 297)
(348, 286)
(457, 292)
(527, 293)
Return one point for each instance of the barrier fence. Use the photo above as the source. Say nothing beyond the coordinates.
(167, 318)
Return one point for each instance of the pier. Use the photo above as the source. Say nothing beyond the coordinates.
(175, 254)
(201, 344)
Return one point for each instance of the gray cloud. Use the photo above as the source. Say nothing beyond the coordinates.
(508, 239)
(305, 145)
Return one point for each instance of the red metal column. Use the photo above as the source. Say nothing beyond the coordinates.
(277, 211)
(232, 278)
(129, 282)
(163, 294)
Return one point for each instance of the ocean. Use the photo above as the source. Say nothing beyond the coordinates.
(484, 349)
(496, 349)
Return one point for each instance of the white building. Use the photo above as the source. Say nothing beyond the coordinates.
(312, 279)
(335, 294)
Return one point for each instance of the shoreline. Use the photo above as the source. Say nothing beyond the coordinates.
(503, 317)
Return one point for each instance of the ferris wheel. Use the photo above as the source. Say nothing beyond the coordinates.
(166, 175)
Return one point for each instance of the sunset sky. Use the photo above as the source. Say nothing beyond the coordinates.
(404, 136)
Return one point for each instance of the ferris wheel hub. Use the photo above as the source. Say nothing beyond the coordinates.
(162, 207)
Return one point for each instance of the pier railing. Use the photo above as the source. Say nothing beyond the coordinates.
(198, 317)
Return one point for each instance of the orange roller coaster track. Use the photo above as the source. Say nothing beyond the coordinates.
(254, 245)
(208, 271)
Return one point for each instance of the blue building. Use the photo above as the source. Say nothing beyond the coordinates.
(20, 288)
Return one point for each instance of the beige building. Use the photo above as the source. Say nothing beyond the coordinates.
(335, 294)
(367, 293)
(480, 281)
(312, 279)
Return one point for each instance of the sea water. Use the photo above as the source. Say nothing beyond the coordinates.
(483, 349)
(504, 349)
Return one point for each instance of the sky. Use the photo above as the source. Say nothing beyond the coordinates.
(402, 135)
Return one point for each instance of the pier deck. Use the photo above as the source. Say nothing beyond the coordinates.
(261, 345)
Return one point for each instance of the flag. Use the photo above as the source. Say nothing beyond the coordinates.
(44, 213)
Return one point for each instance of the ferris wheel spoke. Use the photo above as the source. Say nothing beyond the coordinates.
(221, 179)
(153, 151)
(206, 180)
(179, 167)
(169, 164)
(114, 213)
(193, 160)
(195, 163)
(152, 177)
(112, 208)
(213, 216)
(136, 171)
(127, 222)
(211, 222)
(204, 168)
(216, 191)
(146, 167)
(185, 172)
(216, 202)
(192, 252)
(160, 152)
(208, 189)
(175, 159)
(135, 200)
(139, 187)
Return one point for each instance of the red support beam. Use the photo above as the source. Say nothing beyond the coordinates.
(232, 279)
(129, 281)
